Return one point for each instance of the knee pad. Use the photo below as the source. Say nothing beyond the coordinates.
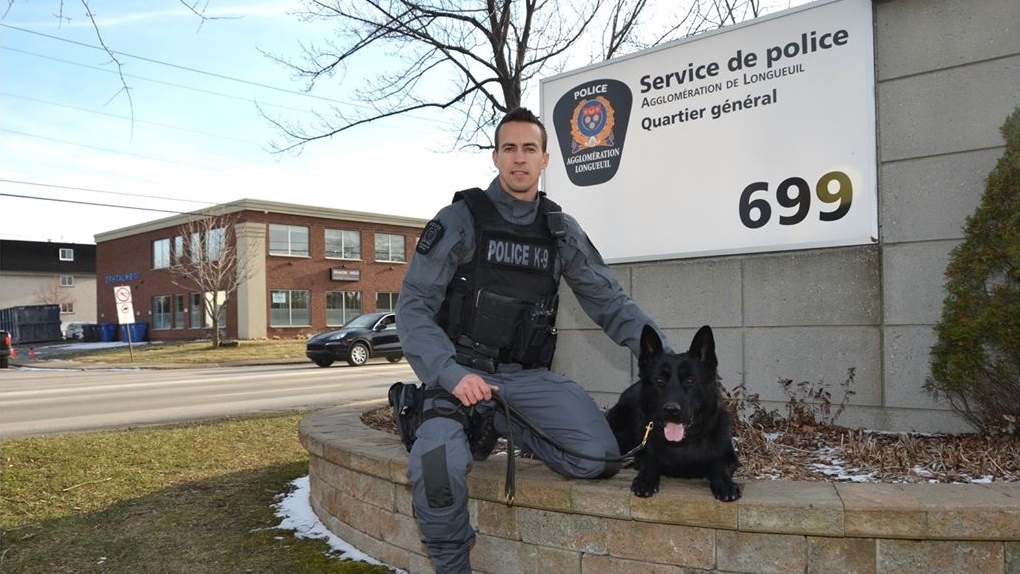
(436, 478)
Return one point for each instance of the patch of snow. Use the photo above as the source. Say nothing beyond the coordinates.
(837, 472)
(296, 513)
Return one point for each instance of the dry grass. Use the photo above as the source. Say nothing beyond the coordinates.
(192, 352)
(185, 499)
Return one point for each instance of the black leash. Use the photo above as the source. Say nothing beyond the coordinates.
(509, 487)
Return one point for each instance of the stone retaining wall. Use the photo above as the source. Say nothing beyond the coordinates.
(359, 491)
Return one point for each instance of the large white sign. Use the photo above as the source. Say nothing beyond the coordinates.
(758, 137)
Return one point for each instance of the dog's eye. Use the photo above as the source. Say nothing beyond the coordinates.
(660, 380)
(689, 381)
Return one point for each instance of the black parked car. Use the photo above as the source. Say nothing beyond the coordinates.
(365, 336)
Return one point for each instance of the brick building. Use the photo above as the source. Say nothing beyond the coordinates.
(309, 269)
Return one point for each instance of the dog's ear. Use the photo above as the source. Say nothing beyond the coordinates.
(703, 347)
(651, 345)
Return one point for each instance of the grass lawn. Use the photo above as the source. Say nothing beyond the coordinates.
(183, 499)
(191, 352)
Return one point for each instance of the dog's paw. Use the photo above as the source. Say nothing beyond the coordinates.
(726, 492)
(644, 485)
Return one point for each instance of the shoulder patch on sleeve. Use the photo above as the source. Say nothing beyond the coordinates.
(430, 236)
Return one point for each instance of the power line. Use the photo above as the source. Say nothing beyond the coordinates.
(97, 148)
(78, 202)
(127, 118)
(143, 78)
(194, 70)
(179, 67)
(72, 188)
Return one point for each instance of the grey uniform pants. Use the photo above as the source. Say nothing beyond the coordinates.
(440, 459)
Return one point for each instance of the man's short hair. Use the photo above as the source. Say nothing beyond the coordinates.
(523, 115)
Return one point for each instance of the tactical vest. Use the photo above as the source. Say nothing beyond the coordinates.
(501, 306)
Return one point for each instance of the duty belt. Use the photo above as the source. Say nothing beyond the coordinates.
(485, 357)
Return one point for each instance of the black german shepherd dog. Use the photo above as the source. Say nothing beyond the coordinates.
(692, 436)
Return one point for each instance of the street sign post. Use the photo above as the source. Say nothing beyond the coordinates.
(125, 313)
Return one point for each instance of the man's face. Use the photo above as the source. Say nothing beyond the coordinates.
(520, 159)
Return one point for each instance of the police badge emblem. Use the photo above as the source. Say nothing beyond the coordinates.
(431, 235)
(592, 124)
(590, 121)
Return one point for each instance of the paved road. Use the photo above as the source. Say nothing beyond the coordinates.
(45, 401)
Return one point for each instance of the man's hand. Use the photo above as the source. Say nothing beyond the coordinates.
(472, 389)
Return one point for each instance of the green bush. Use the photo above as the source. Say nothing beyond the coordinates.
(975, 363)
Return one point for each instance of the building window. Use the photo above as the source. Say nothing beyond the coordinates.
(178, 311)
(200, 316)
(289, 308)
(386, 302)
(66, 254)
(195, 248)
(389, 247)
(161, 254)
(197, 310)
(177, 253)
(288, 240)
(215, 243)
(342, 306)
(343, 244)
(221, 304)
(161, 312)
(67, 280)
(67, 307)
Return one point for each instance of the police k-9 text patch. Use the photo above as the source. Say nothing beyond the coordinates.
(518, 253)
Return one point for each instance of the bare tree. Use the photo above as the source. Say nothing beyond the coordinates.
(206, 260)
(473, 58)
(54, 294)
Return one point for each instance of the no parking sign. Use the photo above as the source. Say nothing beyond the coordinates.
(125, 309)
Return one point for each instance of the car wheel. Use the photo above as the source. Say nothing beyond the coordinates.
(358, 355)
(323, 363)
(394, 358)
(4, 362)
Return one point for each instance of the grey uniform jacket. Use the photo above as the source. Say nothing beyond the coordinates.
(452, 242)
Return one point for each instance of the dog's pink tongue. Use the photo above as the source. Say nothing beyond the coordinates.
(674, 432)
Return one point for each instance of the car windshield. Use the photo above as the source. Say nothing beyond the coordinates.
(363, 321)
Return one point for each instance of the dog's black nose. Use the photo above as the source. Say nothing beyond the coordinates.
(671, 410)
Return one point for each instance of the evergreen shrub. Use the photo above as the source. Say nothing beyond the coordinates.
(975, 362)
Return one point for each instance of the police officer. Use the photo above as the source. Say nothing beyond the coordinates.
(477, 311)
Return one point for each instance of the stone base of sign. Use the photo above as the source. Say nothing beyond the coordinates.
(359, 491)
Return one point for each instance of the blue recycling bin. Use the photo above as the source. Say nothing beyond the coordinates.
(138, 332)
(107, 332)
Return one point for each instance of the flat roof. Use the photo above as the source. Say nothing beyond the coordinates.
(264, 206)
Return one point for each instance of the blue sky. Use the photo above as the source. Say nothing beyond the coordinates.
(196, 138)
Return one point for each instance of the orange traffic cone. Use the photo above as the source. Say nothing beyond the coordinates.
(14, 352)
(31, 352)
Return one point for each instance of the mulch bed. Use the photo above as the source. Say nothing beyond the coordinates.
(827, 452)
